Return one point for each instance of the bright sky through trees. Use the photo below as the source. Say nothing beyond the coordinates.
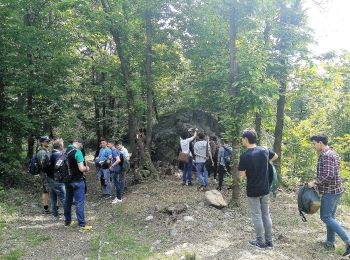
(330, 21)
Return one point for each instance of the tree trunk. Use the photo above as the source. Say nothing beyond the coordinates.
(235, 92)
(258, 120)
(2, 110)
(30, 138)
(149, 77)
(277, 146)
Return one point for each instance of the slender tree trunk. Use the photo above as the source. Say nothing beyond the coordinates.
(235, 92)
(277, 146)
(149, 77)
(2, 110)
(258, 120)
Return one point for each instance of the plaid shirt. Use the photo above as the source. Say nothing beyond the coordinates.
(328, 179)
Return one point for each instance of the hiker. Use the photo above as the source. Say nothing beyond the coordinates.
(214, 152)
(203, 154)
(43, 156)
(185, 141)
(221, 165)
(254, 165)
(115, 170)
(329, 185)
(75, 188)
(124, 164)
(104, 173)
(57, 189)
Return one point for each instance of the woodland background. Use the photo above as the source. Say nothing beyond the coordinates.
(107, 68)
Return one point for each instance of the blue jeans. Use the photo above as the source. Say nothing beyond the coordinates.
(107, 188)
(56, 189)
(119, 178)
(329, 203)
(202, 179)
(187, 171)
(76, 190)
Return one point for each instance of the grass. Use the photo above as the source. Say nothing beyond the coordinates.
(121, 239)
(14, 254)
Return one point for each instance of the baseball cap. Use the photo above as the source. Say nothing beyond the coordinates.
(44, 138)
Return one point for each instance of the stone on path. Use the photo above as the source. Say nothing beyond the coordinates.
(215, 198)
(150, 217)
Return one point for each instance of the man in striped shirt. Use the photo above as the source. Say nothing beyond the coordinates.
(330, 187)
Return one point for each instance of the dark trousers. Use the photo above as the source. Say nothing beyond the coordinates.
(119, 183)
(221, 172)
(75, 190)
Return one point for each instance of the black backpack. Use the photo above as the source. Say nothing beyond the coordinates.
(62, 171)
(308, 201)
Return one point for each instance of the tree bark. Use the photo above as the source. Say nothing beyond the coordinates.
(149, 77)
(235, 92)
(258, 120)
(2, 110)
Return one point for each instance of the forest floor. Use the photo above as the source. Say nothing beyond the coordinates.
(139, 228)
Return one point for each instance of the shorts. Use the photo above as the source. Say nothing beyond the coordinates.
(44, 183)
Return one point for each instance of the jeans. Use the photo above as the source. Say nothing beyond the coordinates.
(329, 203)
(202, 179)
(56, 189)
(187, 171)
(107, 188)
(261, 218)
(76, 190)
(119, 179)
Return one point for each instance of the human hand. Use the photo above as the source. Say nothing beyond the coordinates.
(311, 184)
(87, 169)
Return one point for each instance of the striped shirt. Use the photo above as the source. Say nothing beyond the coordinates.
(328, 179)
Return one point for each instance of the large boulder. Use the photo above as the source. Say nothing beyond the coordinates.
(166, 134)
(215, 199)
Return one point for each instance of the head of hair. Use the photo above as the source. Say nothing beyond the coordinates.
(111, 142)
(119, 142)
(184, 134)
(201, 136)
(78, 140)
(250, 134)
(319, 138)
(58, 144)
(103, 139)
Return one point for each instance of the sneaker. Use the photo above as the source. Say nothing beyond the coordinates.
(46, 211)
(215, 181)
(256, 244)
(85, 228)
(72, 224)
(269, 244)
(183, 184)
(218, 188)
(190, 183)
(328, 245)
(200, 188)
(116, 200)
(347, 252)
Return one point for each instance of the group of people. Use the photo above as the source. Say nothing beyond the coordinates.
(208, 155)
(254, 165)
(110, 162)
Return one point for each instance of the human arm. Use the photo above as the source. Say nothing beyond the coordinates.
(83, 168)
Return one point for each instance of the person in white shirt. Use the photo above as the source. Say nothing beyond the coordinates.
(185, 141)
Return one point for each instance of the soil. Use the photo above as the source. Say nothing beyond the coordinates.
(197, 230)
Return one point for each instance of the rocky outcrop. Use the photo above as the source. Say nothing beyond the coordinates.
(167, 132)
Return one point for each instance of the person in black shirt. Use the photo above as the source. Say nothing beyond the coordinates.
(56, 189)
(254, 165)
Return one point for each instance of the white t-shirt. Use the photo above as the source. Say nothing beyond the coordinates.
(185, 145)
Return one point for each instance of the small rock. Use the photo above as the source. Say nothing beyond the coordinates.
(188, 218)
(214, 198)
(157, 242)
(152, 249)
(150, 217)
(201, 204)
(116, 252)
(169, 253)
(173, 232)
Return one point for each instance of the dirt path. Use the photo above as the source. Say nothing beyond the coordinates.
(140, 229)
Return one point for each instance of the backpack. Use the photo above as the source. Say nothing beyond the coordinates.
(62, 172)
(308, 201)
(125, 164)
(33, 165)
(273, 180)
(228, 153)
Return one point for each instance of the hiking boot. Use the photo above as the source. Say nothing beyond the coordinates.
(116, 200)
(256, 244)
(269, 244)
(85, 228)
(347, 252)
(200, 188)
(46, 211)
(328, 245)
